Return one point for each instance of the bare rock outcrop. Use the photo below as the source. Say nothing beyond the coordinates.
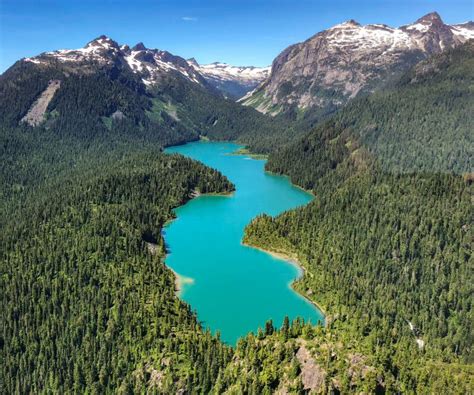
(312, 375)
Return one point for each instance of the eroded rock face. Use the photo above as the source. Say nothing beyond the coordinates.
(36, 113)
(335, 65)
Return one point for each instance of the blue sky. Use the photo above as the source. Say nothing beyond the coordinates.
(240, 32)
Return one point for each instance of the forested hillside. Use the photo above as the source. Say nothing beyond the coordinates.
(93, 99)
(89, 307)
(102, 112)
(388, 254)
(423, 123)
(220, 119)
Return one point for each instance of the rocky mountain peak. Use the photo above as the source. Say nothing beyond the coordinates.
(347, 25)
(351, 22)
(193, 62)
(103, 42)
(139, 47)
(429, 22)
(432, 17)
(150, 65)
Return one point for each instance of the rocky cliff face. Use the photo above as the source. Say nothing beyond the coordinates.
(337, 64)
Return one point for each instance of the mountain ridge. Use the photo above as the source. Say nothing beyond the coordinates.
(105, 87)
(145, 62)
(148, 63)
(233, 81)
(336, 64)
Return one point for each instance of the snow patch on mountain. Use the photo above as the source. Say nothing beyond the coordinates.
(465, 31)
(233, 81)
(226, 71)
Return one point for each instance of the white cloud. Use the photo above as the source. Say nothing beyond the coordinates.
(189, 18)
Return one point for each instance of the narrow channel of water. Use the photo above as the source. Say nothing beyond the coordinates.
(233, 288)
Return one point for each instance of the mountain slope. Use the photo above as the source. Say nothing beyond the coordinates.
(233, 81)
(423, 123)
(106, 87)
(335, 65)
(89, 307)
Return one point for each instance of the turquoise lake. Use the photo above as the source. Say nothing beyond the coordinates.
(235, 289)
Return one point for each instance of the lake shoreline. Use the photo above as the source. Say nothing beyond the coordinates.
(292, 259)
(180, 281)
(310, 191)
(196, 194)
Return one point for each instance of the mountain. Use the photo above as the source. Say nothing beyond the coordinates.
(105, 86)
(337, 64)
(148, 64)
(233, 81)
(421, 124)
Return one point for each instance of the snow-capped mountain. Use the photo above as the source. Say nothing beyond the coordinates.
(232, 81)
(149, 64)
(108, 88)
(337, 64)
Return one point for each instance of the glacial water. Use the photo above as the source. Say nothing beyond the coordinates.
(233, 288)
